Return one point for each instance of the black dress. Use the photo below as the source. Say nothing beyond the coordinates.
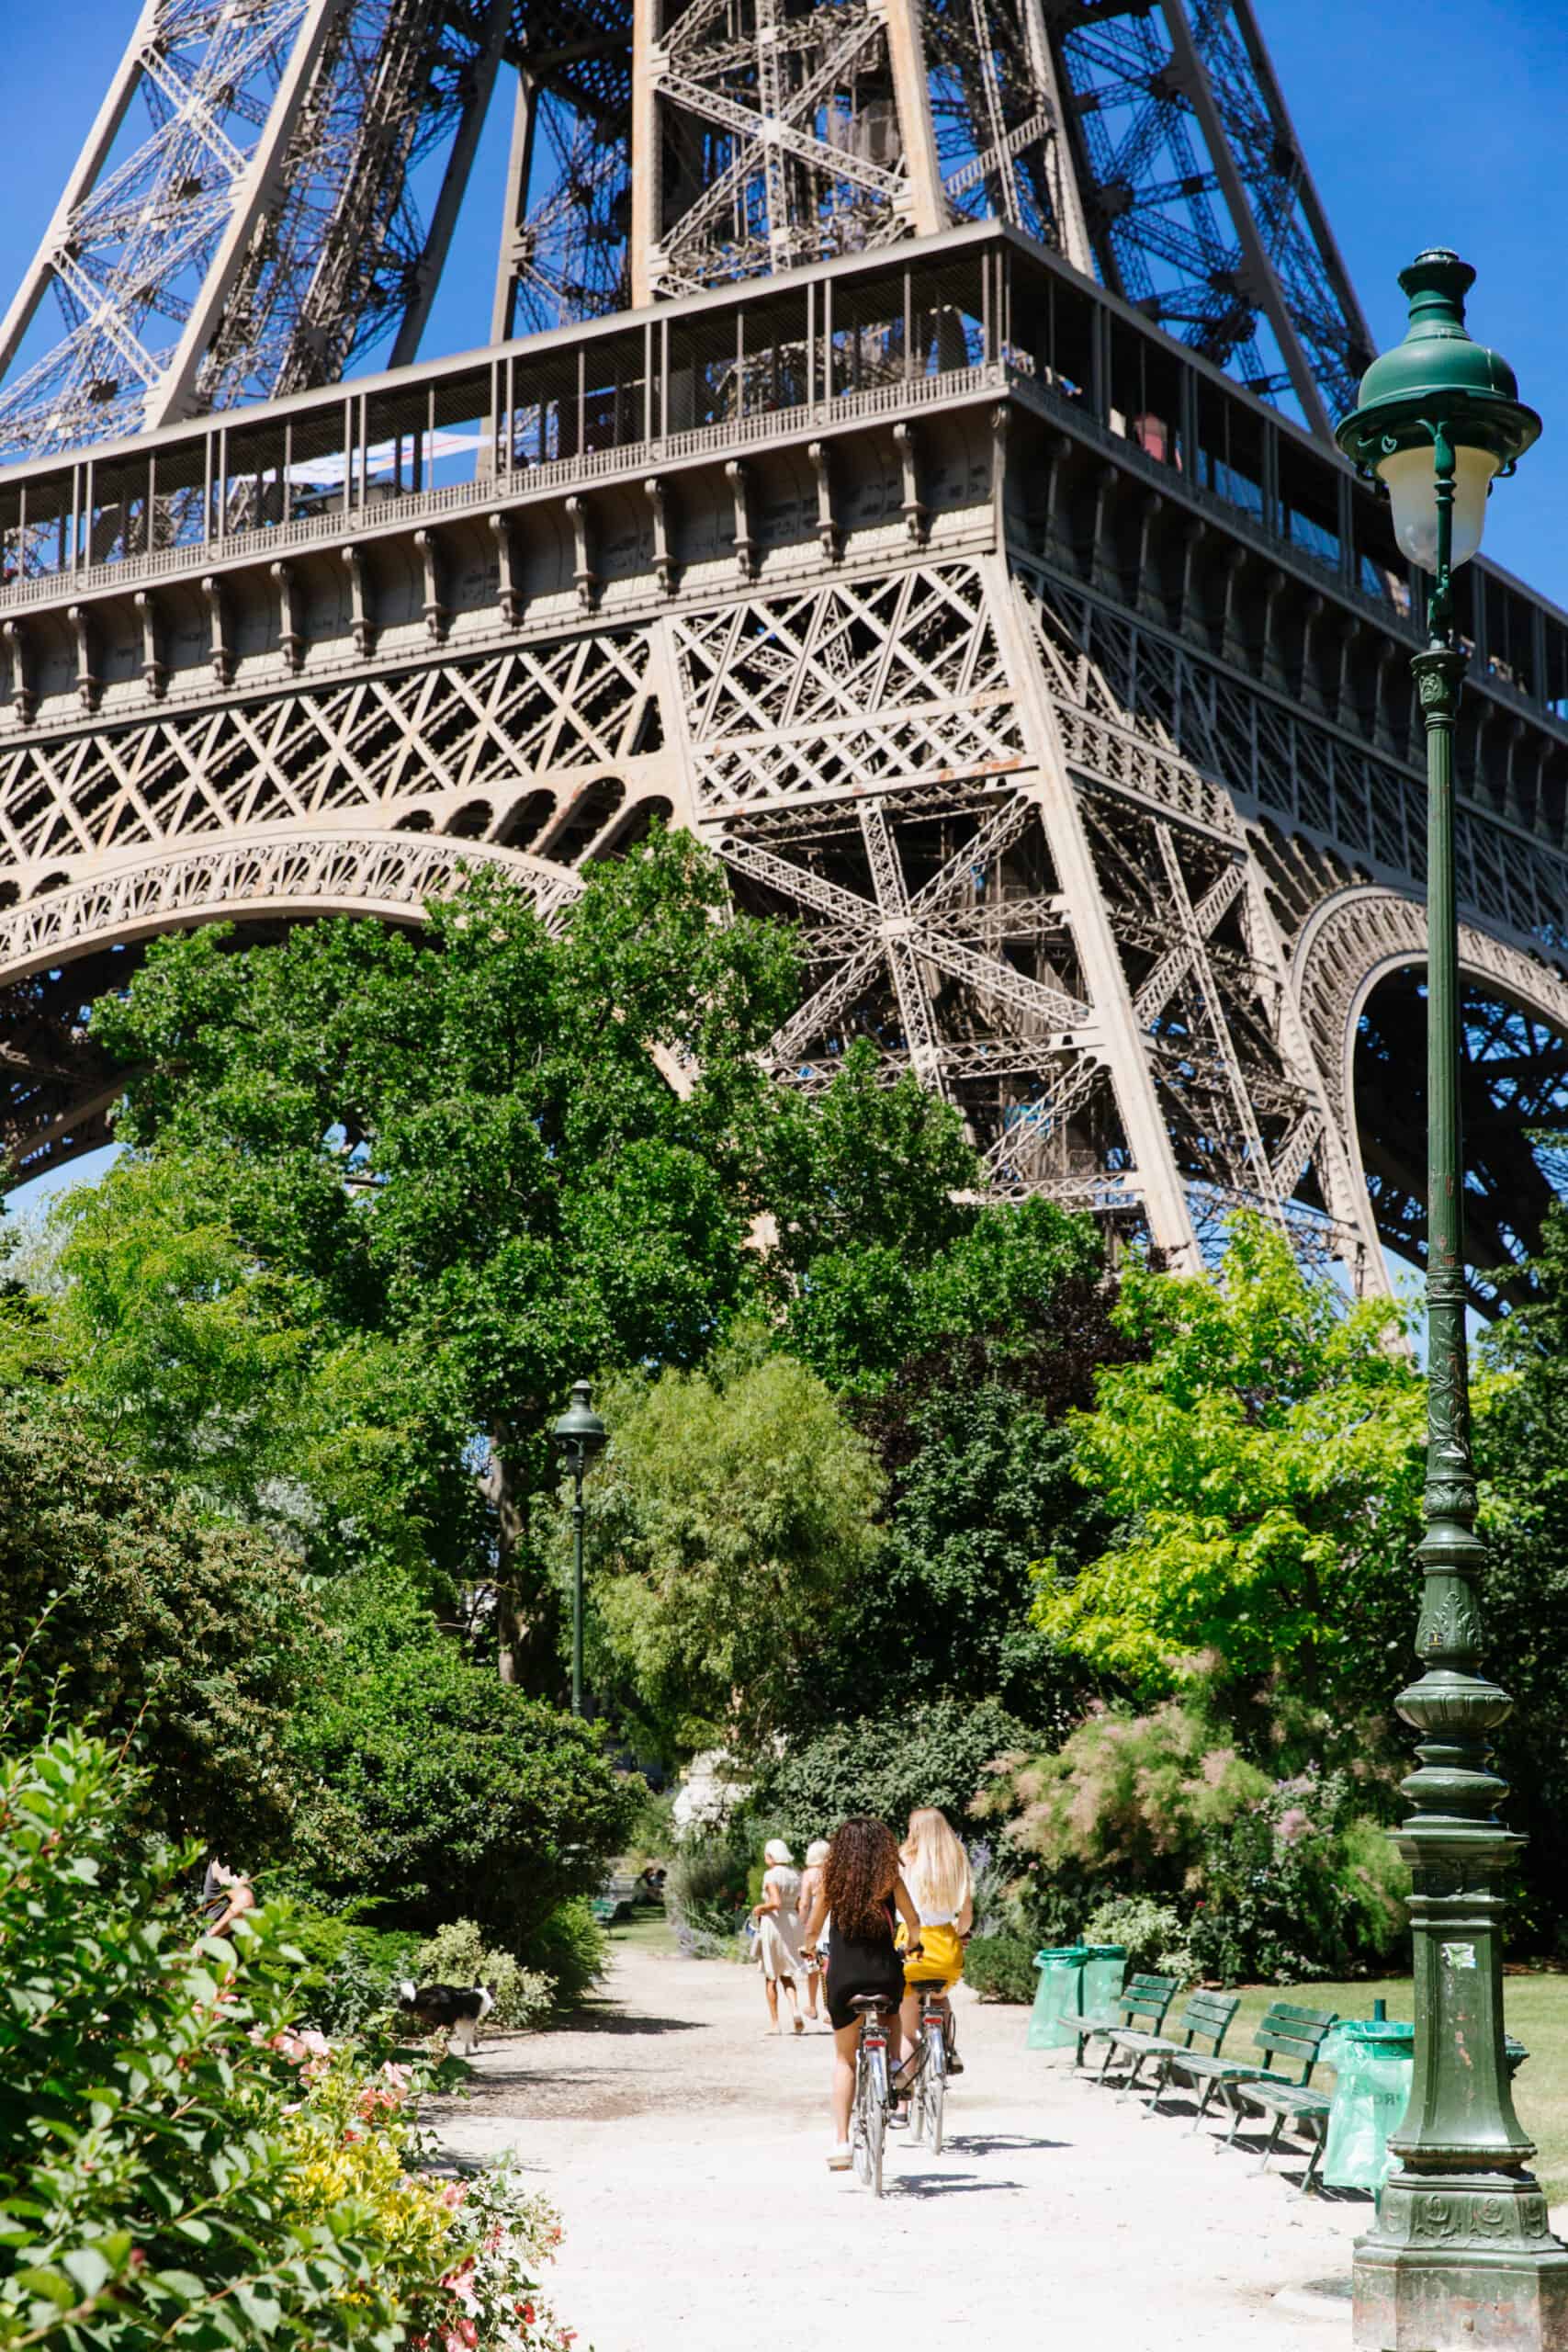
(863, 1964)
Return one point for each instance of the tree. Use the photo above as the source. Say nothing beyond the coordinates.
(189, 1354)
(439, 1792)
(1012, 1319)
(1267, 1461)
(888, 1252)
(198, 1634)
(733, 1512)
(462, 1143)
(935, 1753)
(1522, 1445)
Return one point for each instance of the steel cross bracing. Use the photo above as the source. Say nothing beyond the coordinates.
(1094, 882)
(245, 216)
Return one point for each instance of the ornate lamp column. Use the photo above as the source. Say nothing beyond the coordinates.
(579, 1434)
(1461, 2255)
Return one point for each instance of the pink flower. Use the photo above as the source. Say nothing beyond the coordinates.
(1294, 1824)
(452, 2195)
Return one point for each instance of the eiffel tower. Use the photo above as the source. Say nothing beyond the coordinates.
(902, 454)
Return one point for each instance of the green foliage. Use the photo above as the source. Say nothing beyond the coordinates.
(528, 1193)
(1001, 1967)
(197, 1632)
(159, 2176)
(570, 1948)
(732, 1510)
(707, 1892)
(351, 1968)
(935, 1754)
(1152, 1934)
(876, 1297)
(1522, 1443)
(980, 1482)
(435, 1788)
(651, 1837)
(1302, 1884)
(457, 1954)
(1267, 1461)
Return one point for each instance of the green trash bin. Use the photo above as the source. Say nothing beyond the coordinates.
(1104, 1974)
(1060, 1988)
(1373, 2060)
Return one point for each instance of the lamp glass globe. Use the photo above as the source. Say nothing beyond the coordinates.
(1411, 476)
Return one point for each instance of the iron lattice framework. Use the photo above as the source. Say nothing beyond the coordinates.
(914, 476)
(242, 219)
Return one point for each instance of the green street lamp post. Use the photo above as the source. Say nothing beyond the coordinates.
(579, 1434)
(1461, 2254)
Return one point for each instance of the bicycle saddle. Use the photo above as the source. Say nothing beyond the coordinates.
(864, 2002)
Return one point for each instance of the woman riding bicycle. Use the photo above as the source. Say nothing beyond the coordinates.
(862, 1893)
(936, 1871)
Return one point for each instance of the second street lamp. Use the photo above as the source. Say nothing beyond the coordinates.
(579, 1434)
(1461, 2254)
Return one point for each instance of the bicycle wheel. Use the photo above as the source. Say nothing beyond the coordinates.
(933, 2082)
(873, 2116)
(859, 2145)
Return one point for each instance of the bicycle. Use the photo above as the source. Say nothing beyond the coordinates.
(868, 2121)
(928, 2092)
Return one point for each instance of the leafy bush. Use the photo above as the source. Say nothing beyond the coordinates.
(887, 1765)
(1247, 1877)
(571, 1949)
(1001, 1968)
(1302, 1884)
(351, 1971)
(190, 1630)
(651, 1836)
(1152, 1934)
(178, 2166)
(456, 1954)
(707, 1891)
(438, 1788)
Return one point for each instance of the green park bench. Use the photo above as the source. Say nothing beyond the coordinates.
(1142, 2000)
(617, 1903)
(1288, 2035)
(1205, 2019)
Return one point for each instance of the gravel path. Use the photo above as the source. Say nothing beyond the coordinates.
(685, 2151)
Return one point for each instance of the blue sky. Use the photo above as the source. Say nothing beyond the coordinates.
(1425, 122)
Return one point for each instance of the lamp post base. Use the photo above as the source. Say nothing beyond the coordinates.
(1458, 2262)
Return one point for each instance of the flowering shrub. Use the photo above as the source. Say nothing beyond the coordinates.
(180, 2165)
(467, 2251)
(1301, 1884)
(1153, 1830)
(1127, 1801)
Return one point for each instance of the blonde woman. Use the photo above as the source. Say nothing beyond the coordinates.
(936, 1872)
(811, 1954)
(778, 1931)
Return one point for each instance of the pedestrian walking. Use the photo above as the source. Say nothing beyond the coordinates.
(777, 1918)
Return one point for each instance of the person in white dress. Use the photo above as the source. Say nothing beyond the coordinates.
(778, 1932)
(812, 1955)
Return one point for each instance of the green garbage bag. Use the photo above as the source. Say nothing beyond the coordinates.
(1060, 1988)
(1104, 1974)
(1372, 2063)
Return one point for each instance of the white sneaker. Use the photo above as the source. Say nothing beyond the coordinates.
(841, 2159)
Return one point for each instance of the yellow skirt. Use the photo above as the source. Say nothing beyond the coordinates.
(942, 1957)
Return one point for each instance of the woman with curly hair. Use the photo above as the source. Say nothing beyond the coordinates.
(863, 1895)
